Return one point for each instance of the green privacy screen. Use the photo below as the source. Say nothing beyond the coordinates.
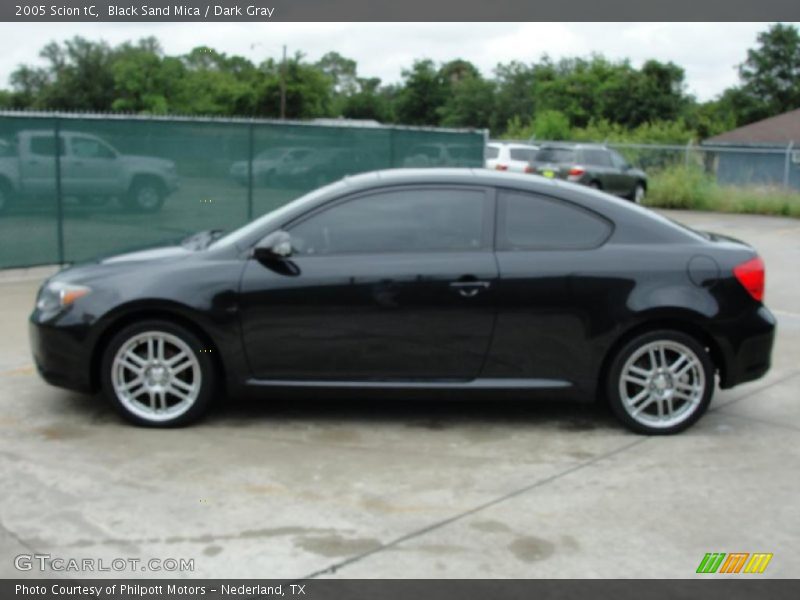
(73, 187)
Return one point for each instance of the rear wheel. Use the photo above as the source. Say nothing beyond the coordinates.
(660, 382)
(145, 195)
(158, 374)
(638, 194)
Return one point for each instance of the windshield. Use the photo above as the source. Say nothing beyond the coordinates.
(276, 216)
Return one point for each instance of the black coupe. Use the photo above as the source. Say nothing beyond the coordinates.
(416, 281)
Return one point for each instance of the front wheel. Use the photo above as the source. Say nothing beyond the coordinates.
(158, 374)
(660, 382)
(638, 194)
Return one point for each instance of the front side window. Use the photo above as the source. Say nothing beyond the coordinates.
(619, 161)
(418, 220)
(89, 148)
(531, 222)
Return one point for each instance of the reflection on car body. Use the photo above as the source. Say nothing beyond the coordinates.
(91, 170)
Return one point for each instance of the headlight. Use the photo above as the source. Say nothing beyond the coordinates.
(58, 295)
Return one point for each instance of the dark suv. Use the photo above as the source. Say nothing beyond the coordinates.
(592, 165)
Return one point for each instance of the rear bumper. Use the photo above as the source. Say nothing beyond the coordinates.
(60, 357)
(750, 357)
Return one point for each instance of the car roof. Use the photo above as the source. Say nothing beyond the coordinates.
(573, 145)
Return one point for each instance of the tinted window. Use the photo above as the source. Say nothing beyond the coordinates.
(89, 148)
(596, 157)
(557, 155)
(395, 221)
(526, 154)
(528, 221)
(492, 151)
(44, 145)
(619, 162)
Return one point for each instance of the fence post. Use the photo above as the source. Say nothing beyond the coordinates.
(787, 165)
(59, 197)
(250, 172)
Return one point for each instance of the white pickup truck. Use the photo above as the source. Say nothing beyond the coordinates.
(92, 171)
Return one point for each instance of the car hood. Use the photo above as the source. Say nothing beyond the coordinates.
(152, 254)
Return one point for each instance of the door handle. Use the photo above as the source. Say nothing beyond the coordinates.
(469, 289)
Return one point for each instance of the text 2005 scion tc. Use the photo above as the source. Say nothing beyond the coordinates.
(413, 281)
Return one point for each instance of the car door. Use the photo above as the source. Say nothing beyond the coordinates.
(598, 162)
(37, 169)
(90, 166)
(394, 285)
(550, 295)
(627, 181)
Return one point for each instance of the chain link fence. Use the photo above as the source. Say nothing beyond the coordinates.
(74, 186)
(754, 166)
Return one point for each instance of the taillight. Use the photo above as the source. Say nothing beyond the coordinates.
(501, 167)
(577, 171)
(529, 169)
(751, 275)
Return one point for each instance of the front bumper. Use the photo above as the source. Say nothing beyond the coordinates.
(60, 355)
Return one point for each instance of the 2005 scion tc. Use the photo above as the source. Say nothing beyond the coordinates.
(414, 281)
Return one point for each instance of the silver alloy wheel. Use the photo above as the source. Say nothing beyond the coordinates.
(156, 376)
(147, 197)
(662, 384)
(638, 194)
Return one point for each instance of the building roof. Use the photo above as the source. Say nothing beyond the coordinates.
(775, 131)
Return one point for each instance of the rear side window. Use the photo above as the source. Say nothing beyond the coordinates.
(526, 154)
(596, 157)
(531, 222)
(45, 145)
(492, 152)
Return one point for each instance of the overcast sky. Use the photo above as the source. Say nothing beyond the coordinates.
(709, 52)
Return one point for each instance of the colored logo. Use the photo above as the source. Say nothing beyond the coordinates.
(735, 562)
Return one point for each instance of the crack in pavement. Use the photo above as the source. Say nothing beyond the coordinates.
(457, 517)
(542, 482)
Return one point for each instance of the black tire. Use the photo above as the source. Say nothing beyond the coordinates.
(182, 414)
(638, 193)
(595, 185)
(146, 195)
(662, 388)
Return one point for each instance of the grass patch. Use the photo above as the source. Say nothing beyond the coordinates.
(691, 189)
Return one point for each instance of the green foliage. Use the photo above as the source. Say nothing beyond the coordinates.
(691, 189)
(581, 98)
(771, 74)
(423, 93)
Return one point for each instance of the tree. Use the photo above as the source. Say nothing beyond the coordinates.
(770, 75)
(422, 95)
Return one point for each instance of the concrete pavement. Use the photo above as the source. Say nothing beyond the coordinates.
(424, 489)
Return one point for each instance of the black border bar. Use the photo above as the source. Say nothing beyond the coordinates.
(397, 10)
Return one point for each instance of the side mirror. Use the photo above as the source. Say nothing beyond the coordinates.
(274, 247)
